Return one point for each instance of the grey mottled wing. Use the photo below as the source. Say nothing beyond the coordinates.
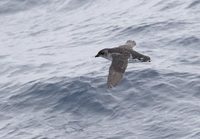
(141, 57)
(117, 69)
(126, 46)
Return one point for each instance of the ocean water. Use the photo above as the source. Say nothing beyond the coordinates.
(52, 87)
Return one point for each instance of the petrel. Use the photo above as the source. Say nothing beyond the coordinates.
(120, 56)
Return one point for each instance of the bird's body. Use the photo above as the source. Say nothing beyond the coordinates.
(120, 56)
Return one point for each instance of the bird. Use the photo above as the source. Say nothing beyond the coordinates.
(120, 57)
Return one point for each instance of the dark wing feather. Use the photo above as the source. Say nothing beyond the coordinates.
(126, 47)
(117, 69)
(141, 57)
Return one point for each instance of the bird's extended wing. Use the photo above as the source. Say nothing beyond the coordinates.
(141, 57)
(126, 46)
(117, 69)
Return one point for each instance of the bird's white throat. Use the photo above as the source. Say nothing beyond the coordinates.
(108, 57)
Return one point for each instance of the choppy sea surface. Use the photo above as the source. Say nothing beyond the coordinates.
(52, 87)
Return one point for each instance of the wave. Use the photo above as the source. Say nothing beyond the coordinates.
(64, 94)
(76, 4)
(144, 28)
(186, 41)
(87, 95)
(14, 6)
(194, 4)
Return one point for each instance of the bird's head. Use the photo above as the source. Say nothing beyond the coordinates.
(131, 43)
(103, 53)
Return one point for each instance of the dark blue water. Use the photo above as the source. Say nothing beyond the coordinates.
(52, 87)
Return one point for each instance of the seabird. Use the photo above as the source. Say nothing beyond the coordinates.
(120, 56)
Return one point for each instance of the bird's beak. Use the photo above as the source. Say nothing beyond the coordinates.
(97, 55)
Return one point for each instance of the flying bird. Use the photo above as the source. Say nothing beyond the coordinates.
(120, 56)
